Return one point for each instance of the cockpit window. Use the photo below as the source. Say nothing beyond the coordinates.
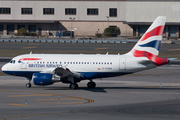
(12, 61)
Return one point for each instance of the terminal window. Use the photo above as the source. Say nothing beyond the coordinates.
(47, 11)
(5, 10)
(26, 10)
(113, 12)
(70, 11)
(92, 11)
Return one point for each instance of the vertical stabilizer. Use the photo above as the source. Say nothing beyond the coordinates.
(149, 44)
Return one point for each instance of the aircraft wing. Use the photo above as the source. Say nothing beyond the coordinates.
(66, 72)
(63, 72)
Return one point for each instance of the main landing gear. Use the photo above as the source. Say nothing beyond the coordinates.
(74, 85)
(91, 84)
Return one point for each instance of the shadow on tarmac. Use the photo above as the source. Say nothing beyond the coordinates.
(103, 89)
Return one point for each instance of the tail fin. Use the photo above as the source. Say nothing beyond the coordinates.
(149, 44)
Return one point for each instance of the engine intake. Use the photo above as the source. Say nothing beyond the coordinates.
(45, 78)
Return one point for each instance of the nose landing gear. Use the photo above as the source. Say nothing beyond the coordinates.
(28, 85)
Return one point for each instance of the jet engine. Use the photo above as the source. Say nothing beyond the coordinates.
(45, 78)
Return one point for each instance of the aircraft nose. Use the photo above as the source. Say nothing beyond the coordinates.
(4, 68)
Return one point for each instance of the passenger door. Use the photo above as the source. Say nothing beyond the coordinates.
(122, 63)
(23, 63)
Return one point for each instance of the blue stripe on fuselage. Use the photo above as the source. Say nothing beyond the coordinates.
(87, 75)
(27, 74)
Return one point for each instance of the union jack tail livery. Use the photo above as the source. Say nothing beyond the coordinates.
(149, 44)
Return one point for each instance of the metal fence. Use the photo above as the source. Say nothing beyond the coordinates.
(65, 41)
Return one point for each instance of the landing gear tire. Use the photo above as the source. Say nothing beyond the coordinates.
(28, 85)
(91, 85)
(73, 86)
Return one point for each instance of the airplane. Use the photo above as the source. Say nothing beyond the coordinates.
(47, 69)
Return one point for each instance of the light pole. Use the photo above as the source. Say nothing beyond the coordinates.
(108, 20)
(71, 24)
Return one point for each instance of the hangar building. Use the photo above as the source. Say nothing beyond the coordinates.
(87, 17)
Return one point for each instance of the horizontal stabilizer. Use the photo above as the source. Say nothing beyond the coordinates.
(174, 62)
(146, 62)
(172, 58)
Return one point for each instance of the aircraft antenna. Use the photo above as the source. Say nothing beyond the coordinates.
(30, 52)
(107, 53)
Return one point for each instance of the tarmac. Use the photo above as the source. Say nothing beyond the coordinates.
(151, 94)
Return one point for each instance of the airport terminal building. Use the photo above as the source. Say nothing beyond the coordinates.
(87, 17)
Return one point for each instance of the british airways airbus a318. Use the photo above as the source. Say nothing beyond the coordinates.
(46, 69)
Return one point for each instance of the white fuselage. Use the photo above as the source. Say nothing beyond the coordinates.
(91, 66)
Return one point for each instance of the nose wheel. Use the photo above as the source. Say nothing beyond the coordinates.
(28, 85)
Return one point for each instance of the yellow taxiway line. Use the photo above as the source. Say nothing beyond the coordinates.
(29, 47)
(57, 99)
(30, 95)
(173, 49)
(51, 101)
(17, 104)
(101, 48)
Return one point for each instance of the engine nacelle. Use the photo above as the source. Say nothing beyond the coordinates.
(45, 78)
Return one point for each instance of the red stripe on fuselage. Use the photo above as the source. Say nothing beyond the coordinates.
(29, 59)
(155, 32)
(159, 61)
